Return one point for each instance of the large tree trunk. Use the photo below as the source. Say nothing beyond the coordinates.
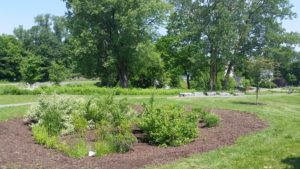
(213, 69)
(227, 75)
(123, 76)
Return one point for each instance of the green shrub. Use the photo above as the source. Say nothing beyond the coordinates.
(267, 84)
(52, 142)
(104, 131)
(53, 122)
(169, 125)
(80, 124)
(123, 137)
(87, 90)
(200, 112)
(78, 150)
(15, 90)
(40, 134)
(58, 115)
(246, 83)
(102, 148)
(231, 83)
(211, 120)
(94, 110)
(55, 113)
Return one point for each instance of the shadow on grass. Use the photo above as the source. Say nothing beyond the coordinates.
(249, 103)
(293, 162)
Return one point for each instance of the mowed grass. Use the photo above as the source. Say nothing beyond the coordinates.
(15, 99)
(7, 113)
(273, 148)
(276, 147)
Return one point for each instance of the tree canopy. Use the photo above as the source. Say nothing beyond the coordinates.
(119, 42)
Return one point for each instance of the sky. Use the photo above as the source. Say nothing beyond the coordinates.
(22, 12)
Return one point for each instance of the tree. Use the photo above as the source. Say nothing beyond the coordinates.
(48, 38)
(57, 72)
(230, 32)
(149, 68)
(31, 69)
(258, 29)
(11, 53)
(291, 78)
(109, 32)
(260, 70)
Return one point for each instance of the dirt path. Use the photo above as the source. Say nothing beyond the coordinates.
(18, 149)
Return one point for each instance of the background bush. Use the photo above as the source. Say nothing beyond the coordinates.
(87, 90)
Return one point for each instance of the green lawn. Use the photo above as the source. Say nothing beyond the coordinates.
(7, 113)
(14, 99)
(275, 147)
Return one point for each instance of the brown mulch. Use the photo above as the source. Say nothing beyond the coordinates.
(18, 150)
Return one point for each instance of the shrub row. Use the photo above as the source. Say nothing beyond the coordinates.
(87, 90)
(112, 121)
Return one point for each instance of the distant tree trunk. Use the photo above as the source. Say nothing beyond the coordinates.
(227, 75)
(213, 69)
(188, 81)
(257, 90)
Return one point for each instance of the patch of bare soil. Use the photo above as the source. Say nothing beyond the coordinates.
(18, 150)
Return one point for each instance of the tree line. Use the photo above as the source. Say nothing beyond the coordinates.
(119, 42)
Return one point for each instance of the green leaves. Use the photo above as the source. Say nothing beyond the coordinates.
(116, 28)
(169, 125)
(31, 69)
(10, 57)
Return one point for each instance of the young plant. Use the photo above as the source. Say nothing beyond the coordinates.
(211, 120)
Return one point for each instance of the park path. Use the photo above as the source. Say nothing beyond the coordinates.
(16, 105)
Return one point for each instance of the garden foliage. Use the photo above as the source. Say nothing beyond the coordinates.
(112, 122)
(56, 116)
(169, 125)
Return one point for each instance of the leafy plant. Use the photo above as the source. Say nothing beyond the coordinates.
(102, 148)
(55, 113)
(57, 72)
(40, 134)
(80, 124)
(169, 125)
(78, 150)
(211, 120)
(30, 69)
(123, 141)
(52, 121)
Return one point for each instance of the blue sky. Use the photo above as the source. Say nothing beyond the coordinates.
(21, 12)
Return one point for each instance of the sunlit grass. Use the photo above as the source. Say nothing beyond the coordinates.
(269, 148)
(12, 112)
